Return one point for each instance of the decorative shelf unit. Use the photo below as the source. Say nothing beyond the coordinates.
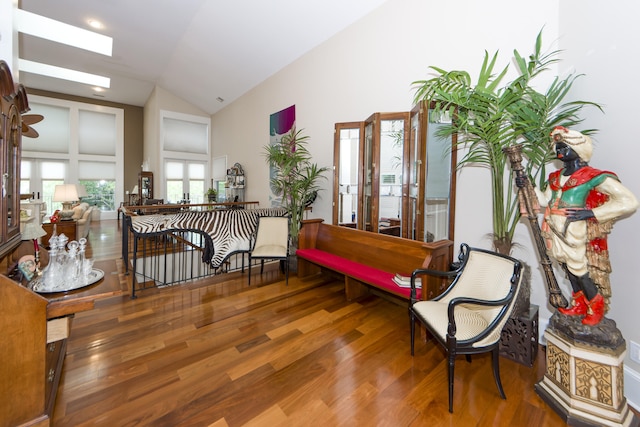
(234, 186)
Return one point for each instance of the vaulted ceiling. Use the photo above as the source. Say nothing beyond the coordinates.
(208, 52)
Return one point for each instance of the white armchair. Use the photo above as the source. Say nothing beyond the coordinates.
(469, 316)
(271, 242)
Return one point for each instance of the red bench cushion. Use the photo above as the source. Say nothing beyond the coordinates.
(364, 273)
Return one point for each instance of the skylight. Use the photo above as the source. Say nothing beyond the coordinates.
(49, 29)
(63, 73)
(59, 32)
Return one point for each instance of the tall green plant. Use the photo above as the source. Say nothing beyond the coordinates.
(489, 117)
(296, 178)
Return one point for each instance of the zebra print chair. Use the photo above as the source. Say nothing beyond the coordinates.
(468, 317)
(271, 242)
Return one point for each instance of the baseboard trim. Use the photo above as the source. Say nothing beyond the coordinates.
(632, 387)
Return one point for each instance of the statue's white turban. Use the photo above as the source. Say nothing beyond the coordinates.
(578, 142)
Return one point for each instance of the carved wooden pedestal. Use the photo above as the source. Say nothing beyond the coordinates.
(583, 383)
(519, 338)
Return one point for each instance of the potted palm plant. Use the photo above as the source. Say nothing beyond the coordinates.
(489, 117)
(296, 178)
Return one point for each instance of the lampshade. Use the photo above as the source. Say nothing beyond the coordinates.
(135, 189)
(82, 190)
(65, 193)
(33, 231)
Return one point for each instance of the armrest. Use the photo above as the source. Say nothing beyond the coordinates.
(429, 272)
(504, 302)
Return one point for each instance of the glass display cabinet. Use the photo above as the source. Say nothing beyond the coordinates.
(145, 186)
(393, 174)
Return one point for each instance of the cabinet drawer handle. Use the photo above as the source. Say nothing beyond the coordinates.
(52, 374)
(51, 347)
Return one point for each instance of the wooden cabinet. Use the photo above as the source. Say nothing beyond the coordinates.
(35, 329)
(145, 186)
(13, 100)
(68, 228)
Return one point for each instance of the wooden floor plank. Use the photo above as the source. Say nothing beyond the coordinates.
(223, 353)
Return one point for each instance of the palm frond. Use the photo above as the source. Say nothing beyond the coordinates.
(491, 116)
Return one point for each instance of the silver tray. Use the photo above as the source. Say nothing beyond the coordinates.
(94, 276)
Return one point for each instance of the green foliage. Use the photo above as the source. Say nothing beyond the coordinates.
(489, 117)
(296, 178)
(101, 193)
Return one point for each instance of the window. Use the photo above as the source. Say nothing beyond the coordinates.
(99, 180)
(185, 155)
(184, 181)
(78, 144)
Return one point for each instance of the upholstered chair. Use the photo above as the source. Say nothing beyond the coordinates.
(468, 317)
(271, 242)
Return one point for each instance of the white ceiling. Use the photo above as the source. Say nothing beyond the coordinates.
(198, 50)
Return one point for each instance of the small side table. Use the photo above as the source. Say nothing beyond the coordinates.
(68, 228)
(519, 339)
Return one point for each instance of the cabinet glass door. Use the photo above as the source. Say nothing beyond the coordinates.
(432, 185)
(439, 194)
(416, 179)
(10, 175)
(386, 173)
(347, 173)
(369, 186)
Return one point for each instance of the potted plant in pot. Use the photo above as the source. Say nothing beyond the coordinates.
(212, 195)
(296, 178)
(489, 117)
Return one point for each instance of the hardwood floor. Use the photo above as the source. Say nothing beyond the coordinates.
(220, 353)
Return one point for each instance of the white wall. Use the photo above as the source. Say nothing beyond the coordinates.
(369, 67)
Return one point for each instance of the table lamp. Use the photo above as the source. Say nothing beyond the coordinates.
(66, 194)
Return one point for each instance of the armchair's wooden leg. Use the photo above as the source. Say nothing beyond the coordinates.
(286, 272)
(249, 269)
(495, 357)
(452, 362)
(412, 325)
(468, 357)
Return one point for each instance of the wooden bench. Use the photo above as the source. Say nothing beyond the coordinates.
(369, 259)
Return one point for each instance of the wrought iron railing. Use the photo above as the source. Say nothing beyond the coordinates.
(158, 256)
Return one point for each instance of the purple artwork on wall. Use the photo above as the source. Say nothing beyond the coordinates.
(280, 123)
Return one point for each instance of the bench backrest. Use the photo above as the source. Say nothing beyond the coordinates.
(388, 253)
